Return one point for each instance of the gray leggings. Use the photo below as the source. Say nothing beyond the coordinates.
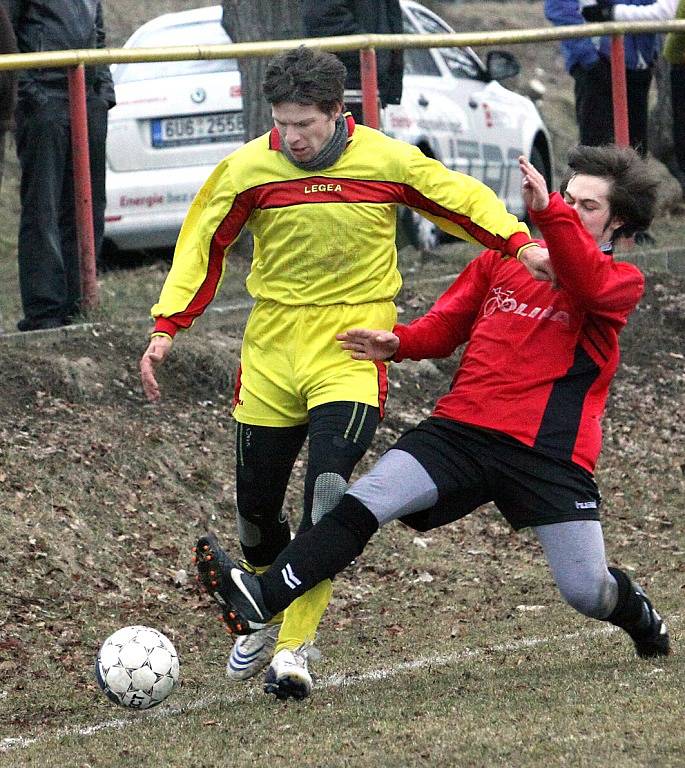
(399, 485)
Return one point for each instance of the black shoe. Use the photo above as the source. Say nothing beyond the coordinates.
(652, 639)
(40, 324)
(235, 590)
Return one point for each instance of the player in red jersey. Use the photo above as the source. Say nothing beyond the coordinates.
(520, 425)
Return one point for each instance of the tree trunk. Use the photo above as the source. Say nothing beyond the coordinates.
(250, 20)
(661, 122)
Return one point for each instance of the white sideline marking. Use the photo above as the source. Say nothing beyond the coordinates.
(336, 680)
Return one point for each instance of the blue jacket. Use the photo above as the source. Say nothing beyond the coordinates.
(640, 50)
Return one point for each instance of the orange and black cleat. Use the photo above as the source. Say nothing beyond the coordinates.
(234, 589)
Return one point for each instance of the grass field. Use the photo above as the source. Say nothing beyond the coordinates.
(450, 648)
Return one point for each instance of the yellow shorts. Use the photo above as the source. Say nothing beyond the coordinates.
(291, 361)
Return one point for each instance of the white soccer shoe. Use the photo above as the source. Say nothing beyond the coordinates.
(287, 676)
(251, 653)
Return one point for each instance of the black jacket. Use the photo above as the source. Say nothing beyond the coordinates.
(8, 76)
(328, 18)
(57, 25)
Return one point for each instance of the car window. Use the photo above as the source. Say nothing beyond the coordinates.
(418, 61)
(200, 33)
(460, 62)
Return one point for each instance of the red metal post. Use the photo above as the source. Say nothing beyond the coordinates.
(82, 186)
(367, 61)
(619, 91)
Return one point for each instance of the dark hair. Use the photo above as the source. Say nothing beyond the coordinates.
(632, 191)
(305, 76)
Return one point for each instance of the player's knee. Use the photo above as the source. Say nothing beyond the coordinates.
(329, 488)
(592, 598)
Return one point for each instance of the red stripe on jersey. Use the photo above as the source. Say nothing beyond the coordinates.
(325, 189)
(415, 199)
(382, 386)
(224, 235)
(236, 389)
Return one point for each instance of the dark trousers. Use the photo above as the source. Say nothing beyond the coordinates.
(2, 153)
(594, 106)
(678, 105)
(49, 273)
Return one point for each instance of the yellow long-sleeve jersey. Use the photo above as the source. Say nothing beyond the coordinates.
(324, 238)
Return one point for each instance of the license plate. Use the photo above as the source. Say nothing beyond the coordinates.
(197, 129)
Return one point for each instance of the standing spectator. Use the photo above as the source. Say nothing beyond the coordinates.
(588, 61)
(49, 273)
(330, 18)
(674, 53)
(8, 93)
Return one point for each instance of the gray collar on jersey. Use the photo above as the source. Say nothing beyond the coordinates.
(328, 154)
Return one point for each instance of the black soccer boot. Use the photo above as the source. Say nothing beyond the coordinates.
(235, 590)
(635, 614)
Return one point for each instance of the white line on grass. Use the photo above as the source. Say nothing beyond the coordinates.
(336, 680)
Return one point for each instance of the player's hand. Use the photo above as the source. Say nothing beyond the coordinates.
(154, 356)
(536, 260)
(533, 186)
(364, 344)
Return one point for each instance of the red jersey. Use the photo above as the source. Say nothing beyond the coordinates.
(539, 360)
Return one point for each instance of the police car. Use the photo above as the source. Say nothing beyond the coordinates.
(174, 121)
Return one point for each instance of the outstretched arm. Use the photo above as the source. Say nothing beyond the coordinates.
(536, 197)
(154, 356)
(365, 344)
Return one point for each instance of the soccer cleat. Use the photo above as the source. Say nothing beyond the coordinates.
(251, 653)
(235, 590)
(287, 676)
(651, 636)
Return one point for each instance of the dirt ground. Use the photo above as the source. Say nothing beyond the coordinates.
(102, 494)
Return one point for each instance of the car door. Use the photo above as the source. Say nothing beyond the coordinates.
(489, 148)
(428, 116)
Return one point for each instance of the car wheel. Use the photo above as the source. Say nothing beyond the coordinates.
(421, 233)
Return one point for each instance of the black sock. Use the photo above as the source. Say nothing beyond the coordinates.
(631, 611)
(318, 553)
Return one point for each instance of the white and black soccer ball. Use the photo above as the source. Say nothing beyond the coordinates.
(137, 667)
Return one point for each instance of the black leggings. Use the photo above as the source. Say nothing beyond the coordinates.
(339, 435)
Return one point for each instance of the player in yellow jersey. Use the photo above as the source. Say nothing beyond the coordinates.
(320, 196)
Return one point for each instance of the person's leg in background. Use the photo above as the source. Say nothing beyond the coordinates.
(593, 103)
(638, 82)
(678, 106)
(42, 148)
(98, 111)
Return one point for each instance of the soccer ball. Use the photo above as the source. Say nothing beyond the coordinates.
(137, 667)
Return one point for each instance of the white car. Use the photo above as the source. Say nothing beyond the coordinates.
(174, 121)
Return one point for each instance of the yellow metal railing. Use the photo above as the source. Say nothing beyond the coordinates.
(76, 60)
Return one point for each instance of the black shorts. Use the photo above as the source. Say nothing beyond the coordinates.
(472, 466)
